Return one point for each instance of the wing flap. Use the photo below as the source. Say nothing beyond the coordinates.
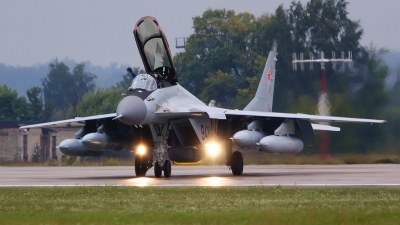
(324, 127)
(315, 118)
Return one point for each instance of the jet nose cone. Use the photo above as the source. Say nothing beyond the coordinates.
(131, 110)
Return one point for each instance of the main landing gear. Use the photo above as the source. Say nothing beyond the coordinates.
(236, 163)
(142, 164)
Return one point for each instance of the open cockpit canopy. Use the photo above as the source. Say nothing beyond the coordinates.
(154, 50)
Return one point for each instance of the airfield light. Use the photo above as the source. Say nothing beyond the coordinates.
(141, 150)
(212, 149)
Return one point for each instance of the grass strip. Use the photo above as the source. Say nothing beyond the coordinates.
(151, 205)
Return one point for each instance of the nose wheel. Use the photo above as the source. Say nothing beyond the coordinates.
(157, 170)
(166, 168)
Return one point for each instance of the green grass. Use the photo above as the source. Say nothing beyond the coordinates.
(150, 205)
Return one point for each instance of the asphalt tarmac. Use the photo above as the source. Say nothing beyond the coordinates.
(377, 175)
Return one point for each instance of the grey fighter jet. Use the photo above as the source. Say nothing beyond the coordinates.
(163, 123)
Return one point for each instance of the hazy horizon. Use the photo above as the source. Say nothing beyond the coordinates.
(100, 31)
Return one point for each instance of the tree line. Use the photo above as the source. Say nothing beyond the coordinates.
(64, 94)
(223, 60)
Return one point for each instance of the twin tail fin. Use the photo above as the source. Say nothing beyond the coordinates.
(264, 97)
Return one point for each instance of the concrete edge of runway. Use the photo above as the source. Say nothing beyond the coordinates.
(268, 176)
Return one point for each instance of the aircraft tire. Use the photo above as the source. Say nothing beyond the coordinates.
(140, 166)
(157, 170)
(237, 163)
(167, 169)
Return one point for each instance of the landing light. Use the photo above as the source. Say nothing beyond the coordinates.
(141, 150)
(212, 149)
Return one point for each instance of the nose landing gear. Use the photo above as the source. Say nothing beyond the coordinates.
(160, 135)
(166, 168)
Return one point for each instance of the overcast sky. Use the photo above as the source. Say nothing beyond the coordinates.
(101, 31)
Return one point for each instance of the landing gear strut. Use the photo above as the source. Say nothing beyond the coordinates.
(236, 163)
(160, 135)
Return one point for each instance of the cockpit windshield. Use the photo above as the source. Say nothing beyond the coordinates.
(145, 82)
(154, 50)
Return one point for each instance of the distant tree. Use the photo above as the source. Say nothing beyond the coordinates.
(219, 88)
(48, 111)
(35, 102)
(82, 83)
(222, 43)
(7, 96)
(37, 110)
(372, 98)
(101, 101)
(12, 107)
(63, 89)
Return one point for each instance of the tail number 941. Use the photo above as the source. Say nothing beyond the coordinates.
(205, 132)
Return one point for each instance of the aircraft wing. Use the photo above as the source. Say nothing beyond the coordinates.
(189, 110)
(78, 121)
(315, 118)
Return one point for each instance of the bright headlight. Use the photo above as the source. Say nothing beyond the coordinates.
(141, 150)
(212, 149)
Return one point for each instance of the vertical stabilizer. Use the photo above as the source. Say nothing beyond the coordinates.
(265, 91)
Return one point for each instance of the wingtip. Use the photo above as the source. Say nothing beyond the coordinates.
(274, 46)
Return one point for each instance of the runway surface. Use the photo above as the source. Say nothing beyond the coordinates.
(253, 175)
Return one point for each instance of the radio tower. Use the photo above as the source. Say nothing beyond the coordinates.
(323, 107)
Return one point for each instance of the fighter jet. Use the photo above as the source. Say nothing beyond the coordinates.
(162, 122)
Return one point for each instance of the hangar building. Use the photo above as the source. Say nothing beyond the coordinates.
(20, 145)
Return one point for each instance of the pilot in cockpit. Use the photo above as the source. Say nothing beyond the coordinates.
(130, 71)
(159, 79)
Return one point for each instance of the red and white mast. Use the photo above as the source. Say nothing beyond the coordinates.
(323, 107)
